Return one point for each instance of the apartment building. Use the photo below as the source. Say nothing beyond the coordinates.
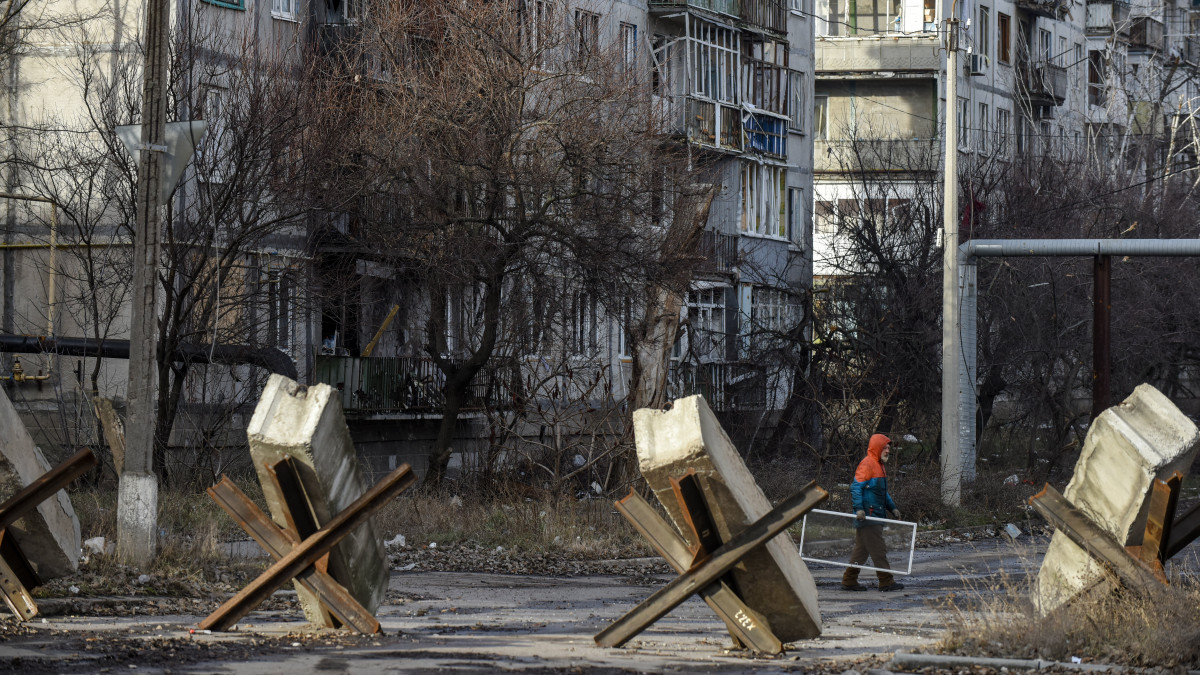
(736, 78)
(1073, 78)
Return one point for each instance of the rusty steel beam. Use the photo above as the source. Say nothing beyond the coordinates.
(722, 560)
(1099, 544)
(1101, 333)
(44, 487)
(300, 520)
(278, 543)
(744, 624)
(696, 516)
(310, 550)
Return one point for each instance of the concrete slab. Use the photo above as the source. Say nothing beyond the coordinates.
(1128, 446)
(48, 536)
(773, 580)
(307, 424)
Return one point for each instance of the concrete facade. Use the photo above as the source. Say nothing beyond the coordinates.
(772, 580)
(1128, 446)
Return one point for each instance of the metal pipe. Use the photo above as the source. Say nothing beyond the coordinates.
(267, 358)
(1101, 333)
(1079, 247)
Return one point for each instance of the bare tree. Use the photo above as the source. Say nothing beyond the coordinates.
(504, 162)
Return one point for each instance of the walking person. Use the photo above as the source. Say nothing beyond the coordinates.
(870, 497)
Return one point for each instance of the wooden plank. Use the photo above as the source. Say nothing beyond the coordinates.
(278, 543)
(723, 559)
(744, 624)
(301, 521)
(310, 550)
(43, 488)
(16, 578)
(1092, 538)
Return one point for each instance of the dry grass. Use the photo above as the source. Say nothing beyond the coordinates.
(583, 529)
(1159, 629)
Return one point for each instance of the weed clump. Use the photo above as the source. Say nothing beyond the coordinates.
(1156, 629)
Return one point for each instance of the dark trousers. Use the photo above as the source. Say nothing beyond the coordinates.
(868, 540)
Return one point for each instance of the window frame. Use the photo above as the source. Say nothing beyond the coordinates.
(1003, 38)
(278, 11)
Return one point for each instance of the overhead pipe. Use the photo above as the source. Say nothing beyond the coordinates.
(267, 358)
(1100, 250)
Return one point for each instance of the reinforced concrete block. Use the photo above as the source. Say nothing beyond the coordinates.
(307, 424)
(1128, 447)
(48, 535)
(772, 579)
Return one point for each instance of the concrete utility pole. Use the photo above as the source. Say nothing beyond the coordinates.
(951, 343)
(137, 494)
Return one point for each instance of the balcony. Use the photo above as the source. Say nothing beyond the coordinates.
(875, 53)
(724, 386)
(726, 7)
(879, 154)
(382, 385)
(1051, 9)
(713, 124)
(769, 14)
(766, 134)
(765, 85)
(1045, 82)
(1189, 50)
(720, 252)
(1106, 16)
(1145, 33)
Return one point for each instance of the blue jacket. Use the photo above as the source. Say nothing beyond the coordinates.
(869, 491)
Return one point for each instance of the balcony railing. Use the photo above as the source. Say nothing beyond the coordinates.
(1145, 33)
(1106, 15)
(1046, 82)
(1052, 9)
(713, 124)
(719, 252)
(878, 53)
(1189, 48)
(726, 7)
(881, 154)
(769, 14)
(392, 384)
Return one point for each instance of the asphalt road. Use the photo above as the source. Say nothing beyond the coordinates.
(467, 623)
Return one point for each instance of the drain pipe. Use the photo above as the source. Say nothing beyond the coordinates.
(1100, 249)
(267, 358)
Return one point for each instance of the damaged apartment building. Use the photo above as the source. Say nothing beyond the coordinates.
(304, 297)
(1064, 77)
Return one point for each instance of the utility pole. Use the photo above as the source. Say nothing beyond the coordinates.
(137, 494)
(952, 469)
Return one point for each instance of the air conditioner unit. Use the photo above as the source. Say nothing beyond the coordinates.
(977, 64)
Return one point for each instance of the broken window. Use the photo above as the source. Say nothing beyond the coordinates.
(983, 32)
(821, 117)
(796, 101)
(773, 314)
(706, 323)
(587, 35)
(535, 17)
(825, 219)
(765, 74)
(1097, 74)
(713, 55)
(278, 328)
(762, 204)
(1003, 38)
(629, 34)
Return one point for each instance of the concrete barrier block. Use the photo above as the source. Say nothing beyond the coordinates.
(49, 535)
(1128, 446)
(773, 580)
(307, 424)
